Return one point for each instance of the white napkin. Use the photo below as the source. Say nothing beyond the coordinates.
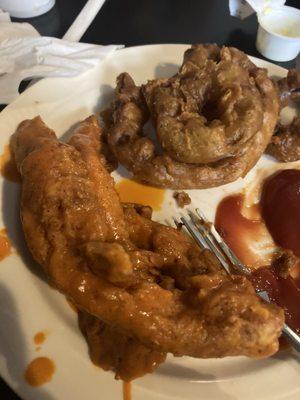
(24, 54)
(243, 8)
(4, 16)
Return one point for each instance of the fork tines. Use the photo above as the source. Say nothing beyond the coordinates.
(198, 229)
(222, 244)
(206, 236)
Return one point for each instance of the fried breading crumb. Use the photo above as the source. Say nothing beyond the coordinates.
(182, 199)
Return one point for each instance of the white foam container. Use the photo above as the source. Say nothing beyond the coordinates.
(278, 35)
(26, 8)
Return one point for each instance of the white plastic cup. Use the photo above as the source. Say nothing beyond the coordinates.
(278, 35)
(26, 8)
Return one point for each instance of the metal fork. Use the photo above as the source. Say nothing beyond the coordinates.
(206, 236)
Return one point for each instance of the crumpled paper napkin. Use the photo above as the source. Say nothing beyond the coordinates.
(24, 54)
(243, 8)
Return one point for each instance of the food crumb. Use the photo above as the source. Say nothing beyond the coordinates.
(182, 199)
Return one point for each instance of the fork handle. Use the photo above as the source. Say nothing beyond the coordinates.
(292, 337)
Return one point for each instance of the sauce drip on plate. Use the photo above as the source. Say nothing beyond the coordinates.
(39, 371)
(126, 390)
(5, 244)
(39, 338)
(134, 192)
(8, 166)
(247, 237)
(283, 291)
(280, 205)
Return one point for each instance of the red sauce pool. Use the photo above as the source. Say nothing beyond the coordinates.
(280, 208)
(283, 291)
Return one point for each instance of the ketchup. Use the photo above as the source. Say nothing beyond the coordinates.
(285, 292)
(280, 211)
(280, 208)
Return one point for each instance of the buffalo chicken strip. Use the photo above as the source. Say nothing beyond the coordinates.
(144, 279)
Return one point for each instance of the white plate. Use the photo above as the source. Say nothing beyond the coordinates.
(29, 305)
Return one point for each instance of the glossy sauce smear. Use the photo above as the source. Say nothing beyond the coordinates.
(247, 237)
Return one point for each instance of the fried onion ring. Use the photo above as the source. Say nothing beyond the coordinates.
(213, 120)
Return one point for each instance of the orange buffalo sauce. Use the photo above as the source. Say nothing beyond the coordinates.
(39, 371)
(134, 192)
(126, 390)
(8, 166)
(39, 338)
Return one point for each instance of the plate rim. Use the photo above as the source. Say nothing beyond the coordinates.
(123, 50)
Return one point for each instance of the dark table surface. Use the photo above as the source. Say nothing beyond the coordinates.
(138, 22)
